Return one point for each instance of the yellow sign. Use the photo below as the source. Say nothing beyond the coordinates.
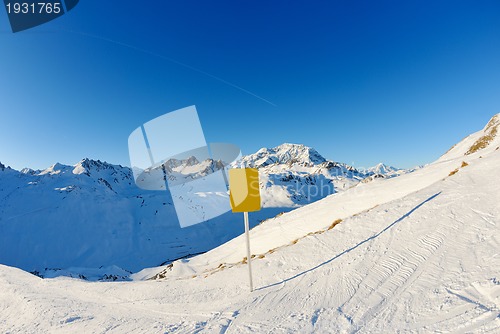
(244, 190)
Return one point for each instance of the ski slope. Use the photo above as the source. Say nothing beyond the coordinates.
(417, 253)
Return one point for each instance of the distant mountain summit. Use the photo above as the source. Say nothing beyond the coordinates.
(383, 170)
(292, 175)
(284, 154)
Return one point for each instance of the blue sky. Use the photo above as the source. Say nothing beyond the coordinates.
(361, 81)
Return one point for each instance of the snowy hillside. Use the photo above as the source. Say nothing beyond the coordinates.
(320, 215)
(92, 215)
(417, 253)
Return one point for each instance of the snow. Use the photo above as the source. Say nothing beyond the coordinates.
(283, 154)
(293, 175)
(415, 253)
(92, 214)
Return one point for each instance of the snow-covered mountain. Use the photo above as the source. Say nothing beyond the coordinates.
(416, 253)
(92, 215)
(178, 171)
(290, 154)
(383, 169)
(292, 175)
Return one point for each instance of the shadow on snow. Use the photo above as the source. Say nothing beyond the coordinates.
(353, 247)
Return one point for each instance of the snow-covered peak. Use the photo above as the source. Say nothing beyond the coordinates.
(88, 166)
(85, 173)
(383, 169)
(284, 154)
(55, 169)
(2, 167)
(191, 166)
(173, 163)
(85, 166)
(27, 171)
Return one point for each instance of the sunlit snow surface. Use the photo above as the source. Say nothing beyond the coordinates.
(417, 253)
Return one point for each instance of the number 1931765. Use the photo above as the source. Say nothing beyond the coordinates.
(33, 8)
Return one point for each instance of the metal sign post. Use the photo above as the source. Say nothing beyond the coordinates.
(249, 257)
(244, 195)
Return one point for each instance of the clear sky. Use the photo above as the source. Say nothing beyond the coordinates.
(360, 81)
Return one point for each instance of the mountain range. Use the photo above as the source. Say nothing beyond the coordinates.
(92, 215)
